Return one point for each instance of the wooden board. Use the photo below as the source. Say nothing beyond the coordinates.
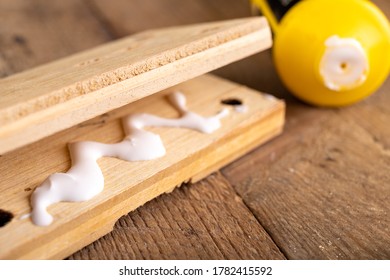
(321, 192)
(355, 225)
(190, 156)
(37, 31)
(56, 96)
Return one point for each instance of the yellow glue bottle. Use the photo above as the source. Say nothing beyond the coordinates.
(331, 52)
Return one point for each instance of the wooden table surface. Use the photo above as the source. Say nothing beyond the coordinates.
(321, 190)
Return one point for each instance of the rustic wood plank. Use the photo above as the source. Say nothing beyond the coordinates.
(206, 220)
(320, 189)
(190, 155)
(49, 30)
(124, 17)
(303, 121)
(35, 32)
(323, 195)
(256, 71)
(373, 115)
(370, 115)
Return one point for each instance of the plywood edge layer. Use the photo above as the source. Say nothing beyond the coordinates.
(51, 98)
(196, 158)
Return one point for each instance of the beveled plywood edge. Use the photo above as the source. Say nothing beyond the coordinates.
(42, 101)
(190, 156)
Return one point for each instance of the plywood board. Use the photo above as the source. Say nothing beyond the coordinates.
(41, 101)
(190, 156)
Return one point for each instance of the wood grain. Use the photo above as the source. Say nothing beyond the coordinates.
(39, 102)
(34, 33)
(122, 18)
(206, 220)
(322, 196)
(190, 156)
(327, 232)
(320, 191)
(49, 37)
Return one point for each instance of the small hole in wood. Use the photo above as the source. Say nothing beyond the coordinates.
(19, 39)
(5, 217)
(231, 101)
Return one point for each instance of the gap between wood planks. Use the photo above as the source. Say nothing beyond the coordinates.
(281, 249)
